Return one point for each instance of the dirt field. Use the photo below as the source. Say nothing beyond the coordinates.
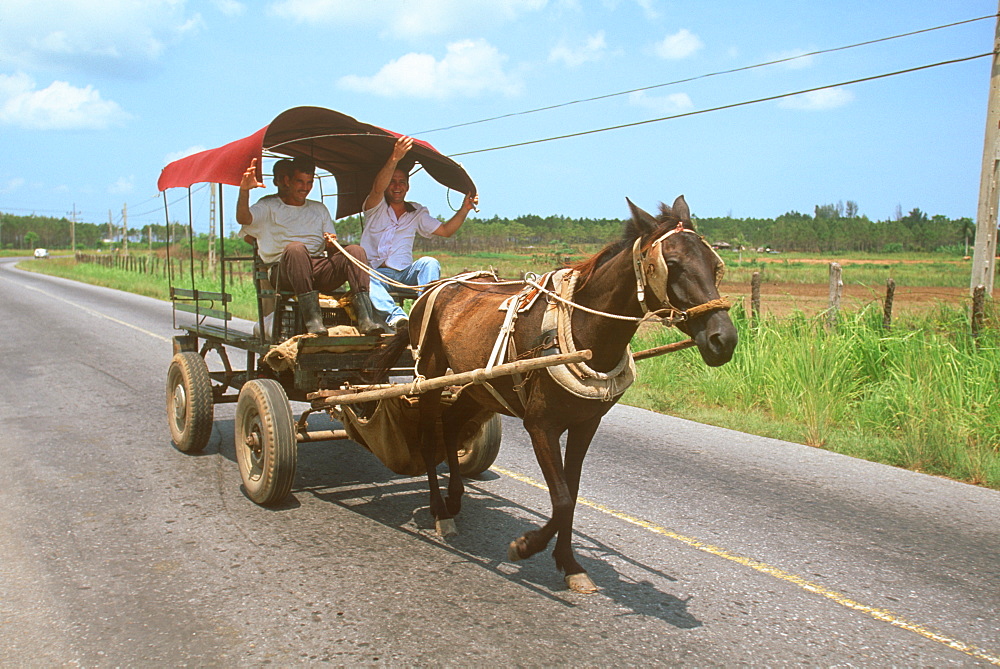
(780, 299)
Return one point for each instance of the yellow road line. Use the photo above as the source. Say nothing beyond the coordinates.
(878, 614)
(91, 311)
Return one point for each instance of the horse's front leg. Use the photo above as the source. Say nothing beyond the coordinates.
(430, 409)
(546, 445)
(577, 442)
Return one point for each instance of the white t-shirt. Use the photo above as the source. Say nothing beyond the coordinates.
(388, 240)
(276, 223)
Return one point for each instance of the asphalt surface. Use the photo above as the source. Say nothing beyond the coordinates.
(710, 547)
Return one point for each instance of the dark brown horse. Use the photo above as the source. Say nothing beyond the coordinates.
(458, 329)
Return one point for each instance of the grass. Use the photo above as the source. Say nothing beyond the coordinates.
(244, 304)
(922, 396)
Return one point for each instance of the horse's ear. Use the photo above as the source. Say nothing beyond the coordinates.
(681, 210)
(641, 222)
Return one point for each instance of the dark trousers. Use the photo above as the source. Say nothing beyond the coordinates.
(301, 273)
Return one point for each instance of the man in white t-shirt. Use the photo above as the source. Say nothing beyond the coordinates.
(391, 225)
(297, 233)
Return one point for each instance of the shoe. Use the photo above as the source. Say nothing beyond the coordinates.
(368, 322)
(312, 315)
(400, 323)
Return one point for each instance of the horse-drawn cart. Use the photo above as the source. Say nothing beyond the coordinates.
(660, 269)
(281, 364)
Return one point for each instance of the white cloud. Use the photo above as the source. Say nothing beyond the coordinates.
(407, 18)
(60, 106)
(825, 98)
(230, 7)
(674, 103)
(12, 185)
(116, 37)
(123, 186)
(649, 8)
(177, 155)
(593, 49)
(469, 68)
(681, 44)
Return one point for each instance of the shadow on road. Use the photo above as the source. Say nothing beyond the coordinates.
(346, 474)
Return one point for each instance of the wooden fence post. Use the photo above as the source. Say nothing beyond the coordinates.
(978, 308)
(890, 292)
(755, 297)
(836, 290)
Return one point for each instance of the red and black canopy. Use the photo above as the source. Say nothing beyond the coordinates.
(352, 151)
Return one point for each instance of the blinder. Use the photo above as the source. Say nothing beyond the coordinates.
(651, 270)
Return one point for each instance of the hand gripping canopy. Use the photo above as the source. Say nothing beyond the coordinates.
(352, 151)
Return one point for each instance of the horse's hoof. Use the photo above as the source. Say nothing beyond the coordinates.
(512, 553)
(446, 527)
(580, 583)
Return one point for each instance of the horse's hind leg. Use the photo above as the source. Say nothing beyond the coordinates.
(430, 409)
(577, 442)
(453, 420)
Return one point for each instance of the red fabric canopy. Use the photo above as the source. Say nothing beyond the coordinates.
(350, 150)
(224, 165)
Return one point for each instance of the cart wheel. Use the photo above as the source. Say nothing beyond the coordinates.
(266, 448)
(190, 409)
(479, 449)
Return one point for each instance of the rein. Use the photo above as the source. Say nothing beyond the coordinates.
(652, 274)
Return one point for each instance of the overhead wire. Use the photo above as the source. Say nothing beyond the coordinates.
(680, 81)
(722, 107)
(705, 76)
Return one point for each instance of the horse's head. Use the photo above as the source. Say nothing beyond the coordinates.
(679, 270)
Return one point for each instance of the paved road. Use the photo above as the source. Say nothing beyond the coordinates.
(711, 547)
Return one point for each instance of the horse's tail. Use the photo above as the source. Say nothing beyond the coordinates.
(383, 358)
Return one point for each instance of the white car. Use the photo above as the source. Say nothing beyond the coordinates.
(41, 253)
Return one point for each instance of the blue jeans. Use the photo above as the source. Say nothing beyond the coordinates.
(422, 271)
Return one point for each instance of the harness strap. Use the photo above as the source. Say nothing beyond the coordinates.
(721, 304)
(505, 344)
(640, 280)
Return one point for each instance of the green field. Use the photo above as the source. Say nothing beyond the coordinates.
(921, 396)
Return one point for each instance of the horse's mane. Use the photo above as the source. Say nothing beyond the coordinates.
(632, 229)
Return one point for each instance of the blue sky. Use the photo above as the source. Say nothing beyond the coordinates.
(96, 96)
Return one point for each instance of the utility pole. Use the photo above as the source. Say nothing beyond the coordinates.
(984, 254)
(125, 228)
(111, 233)
(72, 231)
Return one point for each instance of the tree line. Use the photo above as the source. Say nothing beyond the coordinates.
(831, 228)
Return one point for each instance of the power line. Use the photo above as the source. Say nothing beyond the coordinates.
(705, 76)
(720, 108)
(179, 199)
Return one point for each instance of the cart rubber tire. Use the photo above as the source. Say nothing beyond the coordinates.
(190, 407)
(476, 452)
(266, 447)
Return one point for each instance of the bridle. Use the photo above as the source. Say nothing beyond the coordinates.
(651, 271)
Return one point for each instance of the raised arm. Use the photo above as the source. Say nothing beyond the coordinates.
(248, 183)
(399, 149)
(451, 226)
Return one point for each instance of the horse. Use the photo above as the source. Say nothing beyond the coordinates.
(660, 267)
